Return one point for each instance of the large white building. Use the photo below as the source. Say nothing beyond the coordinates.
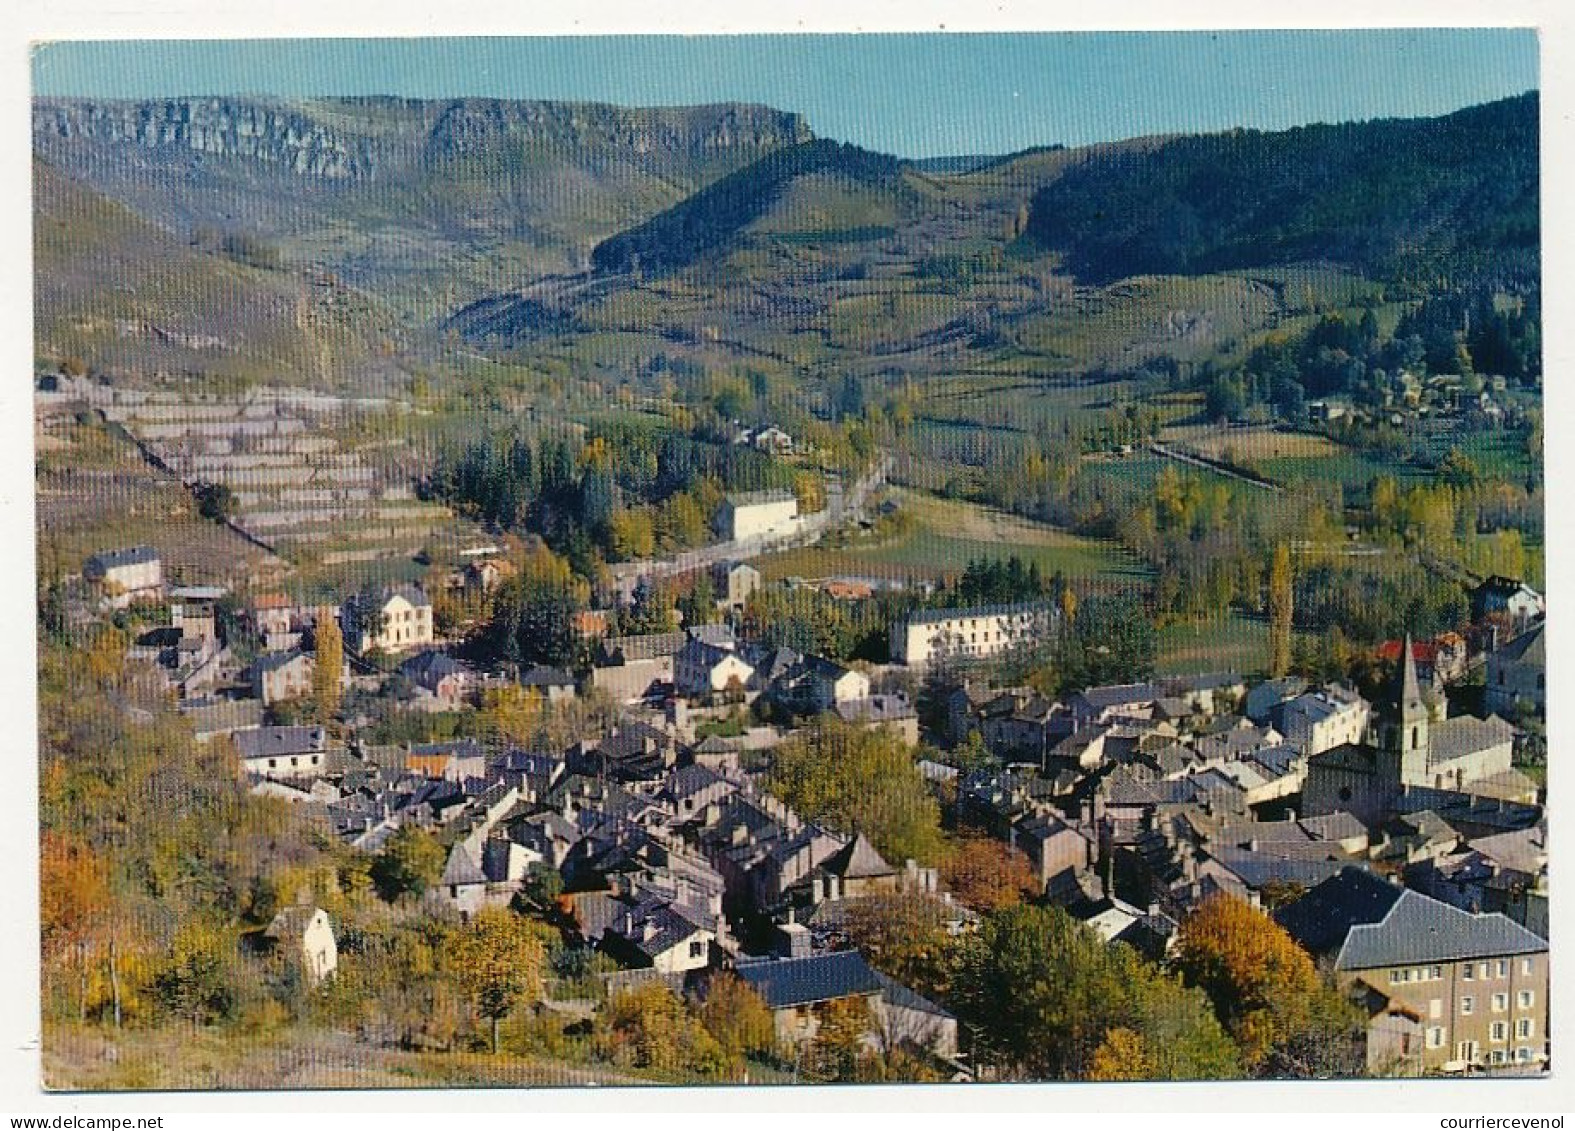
(969, 634)
(1322, 720)
(398, 620)
(758, 514)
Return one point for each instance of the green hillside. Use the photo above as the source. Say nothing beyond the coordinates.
(1399, 199)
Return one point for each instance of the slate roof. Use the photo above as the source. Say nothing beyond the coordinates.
(787, 982)
(1267, 695)
(541, 675)
(462, 867)
(291, 922)
(106, 560)
(899, 995)
(1419, 929)
(1322, 918)
(276, 660)
(430, 667)
(687, 781)
(1256, 869)
(1348, 757)
(875, 709)
(859, 861)
(1120, 695)
(458, 748)
(268, 742)
(1464, 735)
(648, 647)
(1527, 648)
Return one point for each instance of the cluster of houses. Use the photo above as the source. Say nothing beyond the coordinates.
(660, 848)
(1393, 840)
(1135, 803)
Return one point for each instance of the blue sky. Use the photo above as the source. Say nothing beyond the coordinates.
(914, 95)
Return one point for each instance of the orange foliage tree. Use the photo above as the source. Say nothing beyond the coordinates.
(1266, 990)
(988, 874)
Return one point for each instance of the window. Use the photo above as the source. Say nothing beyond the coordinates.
(1503, 967)
(1468, 972)
(1526, 966)
(1498, 1056)
(697, 949)
(1435, 1037)
(1466, 1050)
(1500, 1003)
(1523, 1027)
(273, 763)
(1435, 972)
(1500, 1031)
(1525, 1000)
(1523, 1053)
(1468, 1006)
(1483, 972)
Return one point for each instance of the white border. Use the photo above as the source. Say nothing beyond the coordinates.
(1300, 1104)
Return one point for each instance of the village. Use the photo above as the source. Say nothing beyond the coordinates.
(1395, 842)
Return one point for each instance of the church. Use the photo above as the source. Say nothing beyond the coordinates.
(1409, 744)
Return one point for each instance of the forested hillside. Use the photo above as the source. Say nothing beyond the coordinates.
(1403, 200)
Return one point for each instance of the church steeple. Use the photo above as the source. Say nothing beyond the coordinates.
(1409, 697)
(1408, 737)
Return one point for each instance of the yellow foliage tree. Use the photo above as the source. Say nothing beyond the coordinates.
(328, 669)
(1122, 1055)
(498, 960)
(511, 713)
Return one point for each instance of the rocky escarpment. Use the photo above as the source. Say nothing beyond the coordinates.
(355, 138)
(471, 126)
(218, 127)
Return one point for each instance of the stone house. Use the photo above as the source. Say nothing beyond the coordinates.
(304, 933)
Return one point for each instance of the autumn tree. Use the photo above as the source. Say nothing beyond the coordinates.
(329, 643)
(195, 981)
(1280, 598)
(512, 713)
(904, 935)
(1122, 1055)
(859, 779)
(497, 958)
(649, 1027)
(988, 874)
(738, 1018)
(1266, 991)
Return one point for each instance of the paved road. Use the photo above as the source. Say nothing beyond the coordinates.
(1193, 461)
(810, 529)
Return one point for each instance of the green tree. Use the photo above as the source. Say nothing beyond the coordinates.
(859, 779)
(1042, 994)
(1280, 608)
(195, 981)
(411, 861)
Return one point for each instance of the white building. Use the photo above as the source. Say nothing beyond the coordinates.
(969, 634)
(758, 514)
(126, 575)
(396, 621)
(701, 669)
(1322, 720)
(307, 936)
